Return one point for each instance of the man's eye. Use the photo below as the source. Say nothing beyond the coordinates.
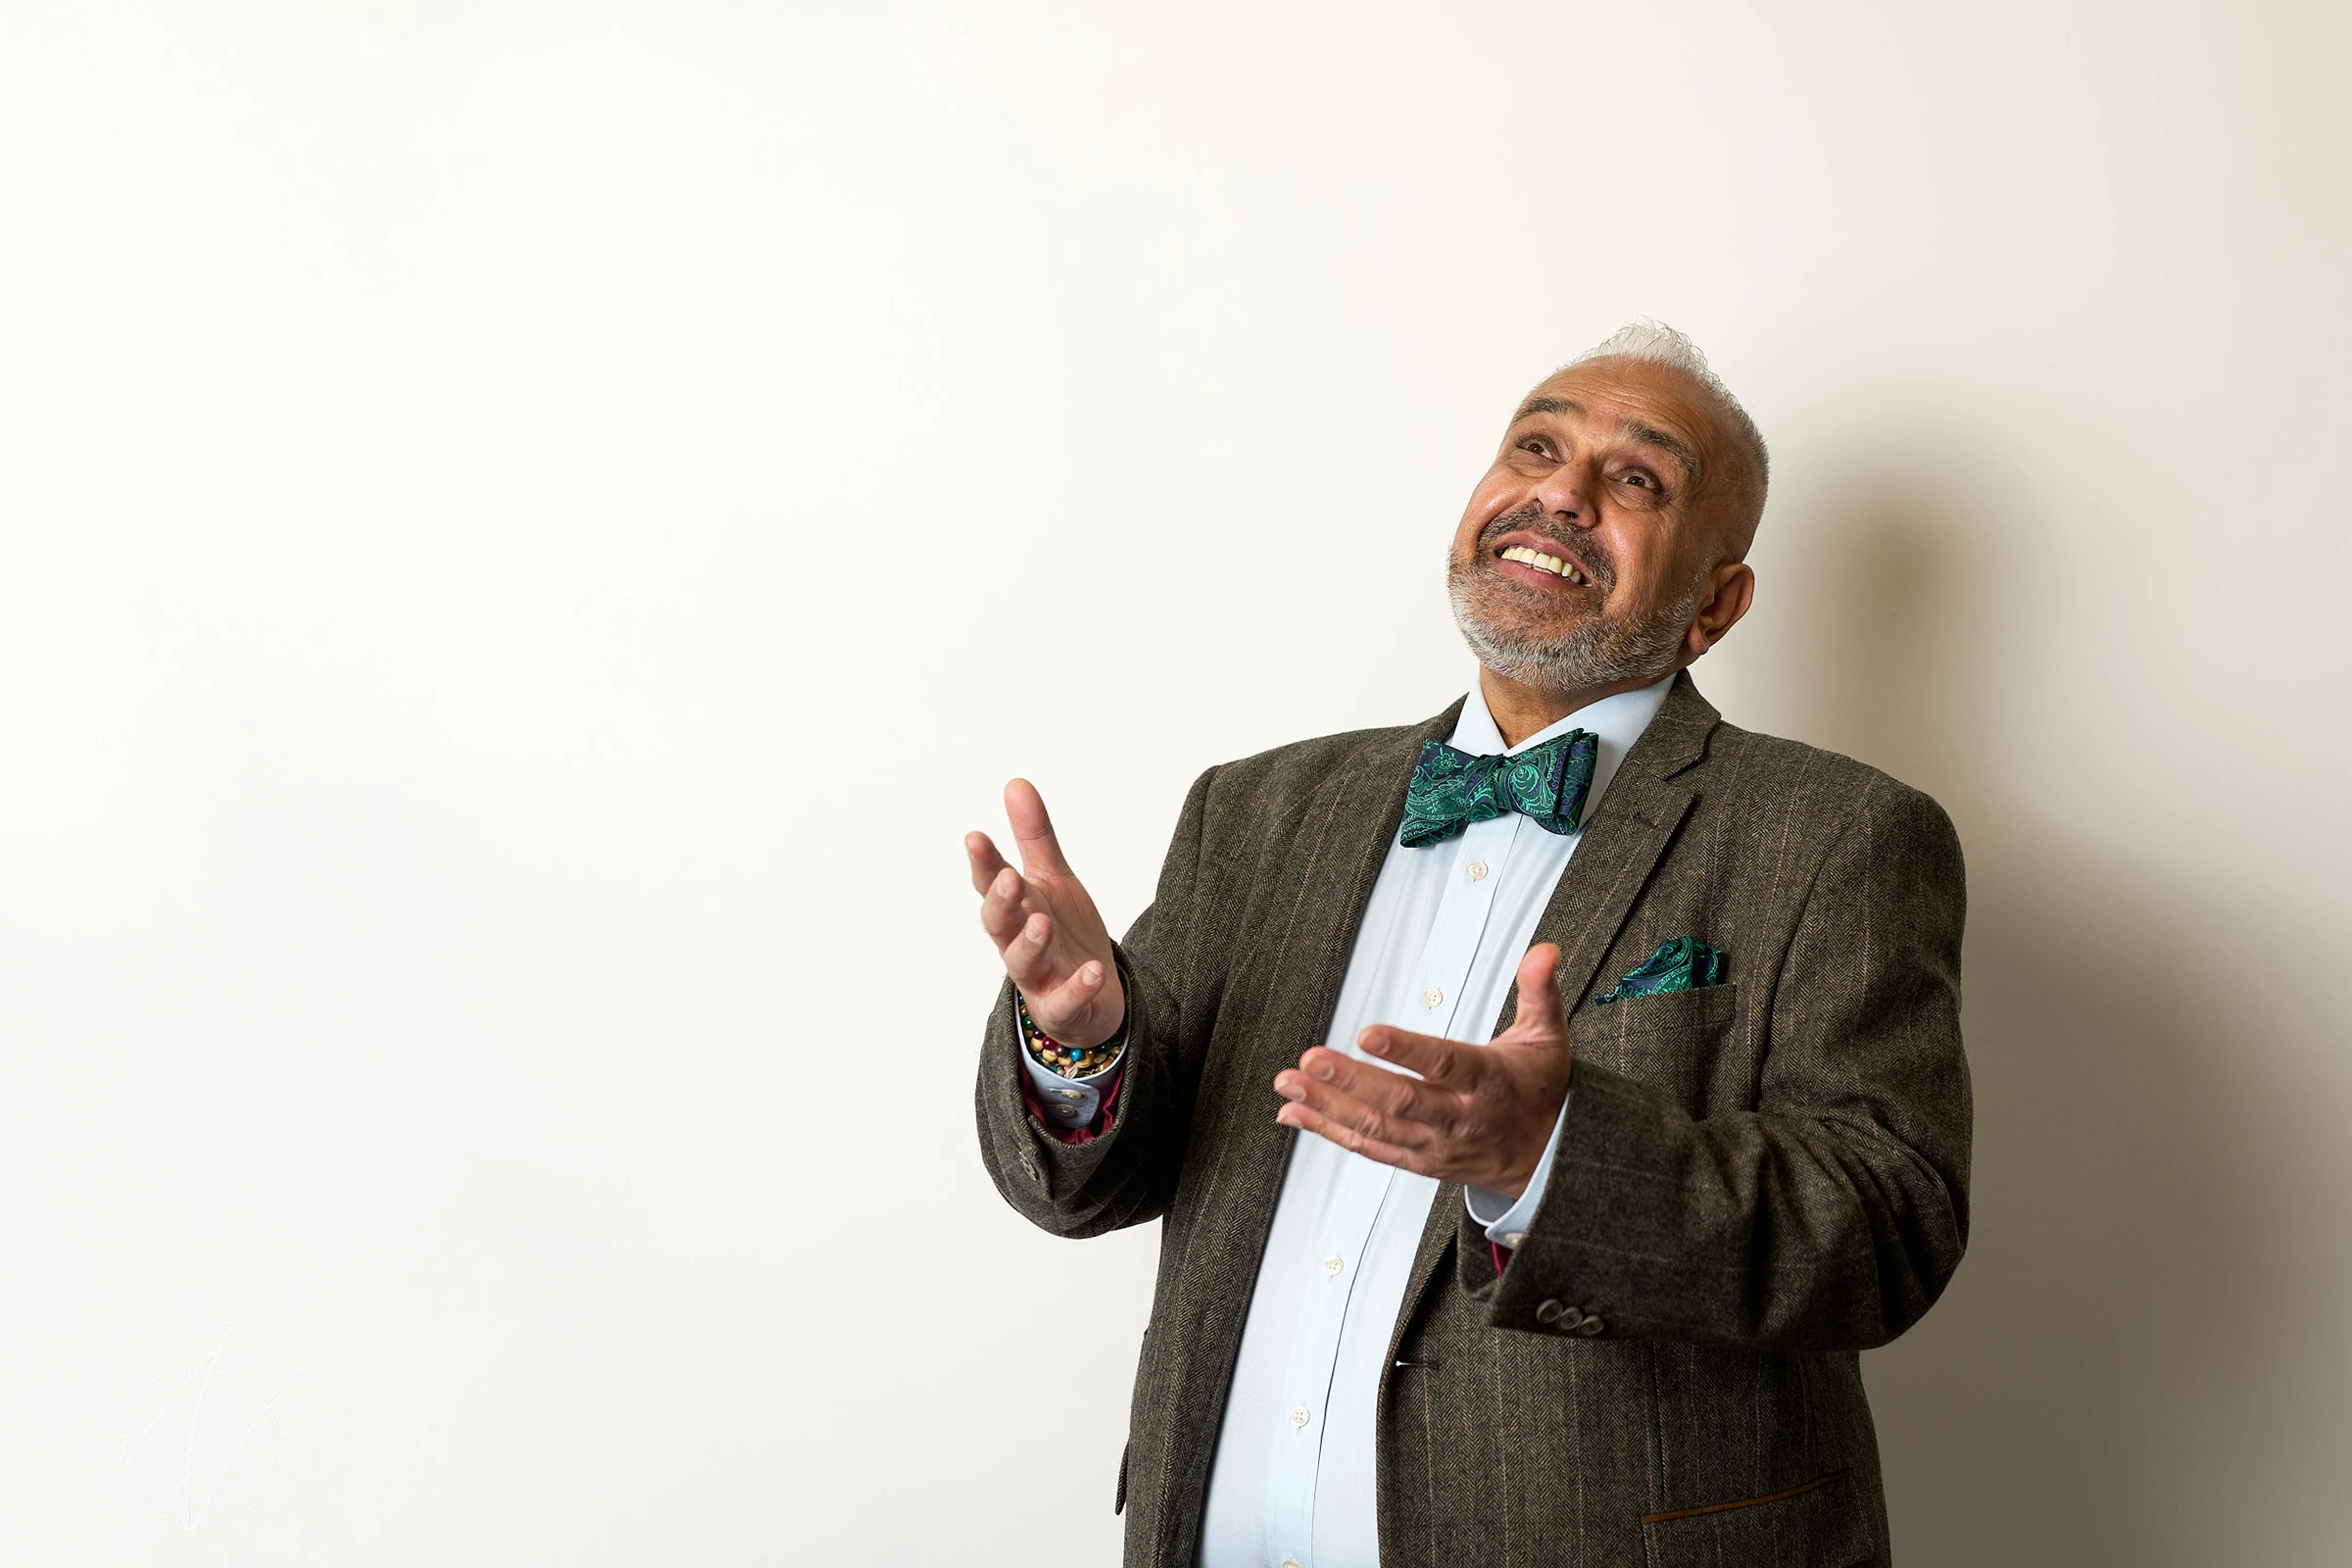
(1641, 480)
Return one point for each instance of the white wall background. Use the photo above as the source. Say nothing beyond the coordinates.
(530, 529)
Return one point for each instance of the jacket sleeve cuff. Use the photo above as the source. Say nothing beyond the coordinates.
(1554, 1282)
(1039, 1159)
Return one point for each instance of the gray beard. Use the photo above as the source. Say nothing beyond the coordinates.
(1602, 651)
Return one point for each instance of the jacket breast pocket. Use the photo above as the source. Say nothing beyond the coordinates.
(1815, 1524)
(1671, 1041)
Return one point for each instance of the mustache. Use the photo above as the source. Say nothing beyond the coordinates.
(1590, 555)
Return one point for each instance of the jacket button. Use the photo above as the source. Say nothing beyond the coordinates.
(1589, 1327)
(1549, 1312)
(1569, 1320)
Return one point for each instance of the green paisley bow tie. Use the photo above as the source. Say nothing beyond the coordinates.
(1451, 789)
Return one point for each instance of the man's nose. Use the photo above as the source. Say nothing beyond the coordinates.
(1566, 496)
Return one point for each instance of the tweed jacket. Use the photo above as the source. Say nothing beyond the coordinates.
(1757, 1180)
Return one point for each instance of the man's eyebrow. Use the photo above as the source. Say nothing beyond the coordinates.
(1673, 445)
(1649, 435)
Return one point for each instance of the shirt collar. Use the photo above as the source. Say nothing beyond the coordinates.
(1617, 722)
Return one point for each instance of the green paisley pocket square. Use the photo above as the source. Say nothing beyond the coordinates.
(1683, 965)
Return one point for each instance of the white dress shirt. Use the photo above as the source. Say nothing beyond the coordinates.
(1292, 1485)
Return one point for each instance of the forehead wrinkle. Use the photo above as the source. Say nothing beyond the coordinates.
(1544, 405)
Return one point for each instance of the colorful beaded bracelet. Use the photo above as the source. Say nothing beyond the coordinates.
(1071, 1062)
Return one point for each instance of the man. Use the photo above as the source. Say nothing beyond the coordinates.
(1588, 1290)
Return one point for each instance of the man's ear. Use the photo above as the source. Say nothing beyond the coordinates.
(1734, 589)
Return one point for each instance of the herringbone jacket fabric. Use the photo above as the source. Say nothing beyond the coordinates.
(1757, 1180)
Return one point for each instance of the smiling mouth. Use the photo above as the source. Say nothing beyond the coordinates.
(1526, 556)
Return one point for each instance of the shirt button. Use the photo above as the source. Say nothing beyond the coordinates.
(1290, 1563)
(1298, 1415)
(1478, 869)
(1333, 1264)
(1512, 1239)
(1432, 997)
(1065, 1111)
(1070, 1093)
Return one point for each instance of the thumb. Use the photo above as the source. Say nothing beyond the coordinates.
(1539, 998)
(1033, 829)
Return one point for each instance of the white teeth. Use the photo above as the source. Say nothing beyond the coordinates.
(1527, 557)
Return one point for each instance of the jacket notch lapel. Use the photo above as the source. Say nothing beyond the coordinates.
(1623, 839)
(1596, 892)
(1360, 809)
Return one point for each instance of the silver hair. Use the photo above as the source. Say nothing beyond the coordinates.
(1660, 344)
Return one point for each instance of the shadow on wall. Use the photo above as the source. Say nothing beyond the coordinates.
(2089, 1384)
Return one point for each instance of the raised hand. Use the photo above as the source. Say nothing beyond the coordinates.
(1046, 928)
(1477, 1114)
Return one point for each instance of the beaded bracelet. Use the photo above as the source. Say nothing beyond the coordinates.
(1071, 1062)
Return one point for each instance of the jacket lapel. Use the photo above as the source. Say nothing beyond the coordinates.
(1622, 841)
(1360, 812)
(1344, 835)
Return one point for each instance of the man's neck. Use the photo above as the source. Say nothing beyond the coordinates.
(1520, 710)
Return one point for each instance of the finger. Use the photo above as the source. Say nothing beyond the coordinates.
(1308, 1120)
(1538, 994)
(1026, 955)
(1032, 829)
(1376, 1085)
(1072, 995)
(1074, 1002)
(1345, 1110)
(1449, 1063)
(981, 850)
(1005, 906)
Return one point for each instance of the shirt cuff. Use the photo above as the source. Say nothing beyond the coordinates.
(1506, 1222)
(1071, 1102)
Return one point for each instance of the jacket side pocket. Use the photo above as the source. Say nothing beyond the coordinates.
(1815, 1524)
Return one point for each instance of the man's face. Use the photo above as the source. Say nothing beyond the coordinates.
(1620, 477)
